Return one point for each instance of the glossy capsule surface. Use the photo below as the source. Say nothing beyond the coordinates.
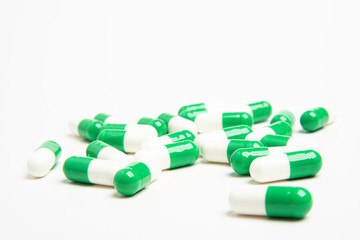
(314, 119)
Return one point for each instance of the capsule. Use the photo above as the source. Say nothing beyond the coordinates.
(43, 159)
(99, 149)
(125, 141)
(172, 155)
(282, 141)
(214, 121)
(315, 119)
(170, 138)
(236, 132)
(147, 129)
(191, 115)
(85, 128)
(289, 165)
(242, 158)
(285, 116)
(137, 175)
(221, 150)
(90, 170)
(260, 111)
(158, 124)
(271, 201)
(177, 123)
(278, 128)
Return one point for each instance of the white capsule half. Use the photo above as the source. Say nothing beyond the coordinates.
(248, 200)
(270, 168)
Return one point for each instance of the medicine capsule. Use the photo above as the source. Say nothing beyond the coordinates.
(191, 115)
(177, 123)
(315, 119)
(221, 150)
(147, 129)
(242, 158)
(43, 159)
(271, 201)
(289, 165)
(236, 132)
(99, 149)
(125, 141)
(169, 138)
(137, 175)
(214, 121)
(285, 116)
(85, 128)
(172, 155)
(278, 128)
(90, 170)
(158, 124)
(282, 141)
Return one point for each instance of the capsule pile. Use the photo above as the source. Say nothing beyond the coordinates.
(217, 133)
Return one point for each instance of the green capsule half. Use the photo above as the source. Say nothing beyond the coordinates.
(314, 119)
(101, 117)
(191, 115)
(241, 159)
(191, 107)
(158, 124)
(281, 128)
(114, 138)
(261, 111)
(285, 116)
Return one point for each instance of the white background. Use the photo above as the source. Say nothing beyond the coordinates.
(64, 58)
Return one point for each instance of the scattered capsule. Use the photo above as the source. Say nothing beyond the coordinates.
(169, 138)
(242, 158)
(99, 149)
(43, 159)
(191, 115)
(172, 155)
(221, 150)
(137, 175)
(109, 119)
(214, 121)
(289, 165)
(315, 119)
(282, 141)
(147, 129)
(86, 128)
(271, 201)
(278, 128)
(158, 124)
(90, 170)
(285, 116)
(177, 123)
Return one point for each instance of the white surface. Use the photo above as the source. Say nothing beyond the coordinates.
(111, 153)
(248, 200)
(103, 171)
(134, 139)
(208, 122)
(159, 152)
(178, 123)
(215, 150)
(40, 162)
(270, 168)
(64, 58)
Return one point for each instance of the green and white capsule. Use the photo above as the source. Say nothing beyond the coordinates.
(172, 155)
(214, 121)
(282, 141)
(85, 128)
(278, 128)
(242, 158)
(289, 165)
(169, 138)
(191, 115)
(236, 132)
(260, 111)
(125, 141)
(177, 123)
(316, 118)
(146, 129)
(285, 116)
(221, 150)
(158, 124)
(90, 170)
(43, 159)
(137, 175)
(271, 201)
(109, 119)
(99, 149)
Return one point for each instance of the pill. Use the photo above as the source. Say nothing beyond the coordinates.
(214, 121)
(285, 116)
(172, 155)
(99, 149)
(271, 201)
(85, 128)
(90, 170)
(242, 158)
(169, 138)
(221, 150)
(125, 141)
(316, 118)
(132, 127)
(289, 165)
(260, 111)
(137, 175)
(158, 124)
(177, 123)
(281, 140)
(43, 159)
(278, 128)
(191, 115)
(236, 132)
